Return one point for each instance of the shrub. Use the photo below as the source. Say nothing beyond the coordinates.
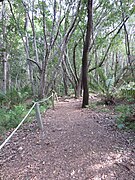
(128, 90)
(15, 115)
(16, 97)
(11, 118)
(104, 86)
(4, 118)
(126, 116)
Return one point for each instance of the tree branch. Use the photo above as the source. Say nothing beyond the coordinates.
(40, 69)
(102, 61)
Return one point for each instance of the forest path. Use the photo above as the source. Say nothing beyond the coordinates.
(79, 144)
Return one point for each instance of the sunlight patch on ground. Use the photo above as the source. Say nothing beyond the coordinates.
(109, 161)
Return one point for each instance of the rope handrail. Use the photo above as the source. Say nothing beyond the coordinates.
(45, 99)
(10, 136)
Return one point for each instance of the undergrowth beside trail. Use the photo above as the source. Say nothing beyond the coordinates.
(14, 106)
(124, 109)
(11, 118)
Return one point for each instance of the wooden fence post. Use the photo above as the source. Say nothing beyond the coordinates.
(53, 100)
(38, 116)
(55, 94)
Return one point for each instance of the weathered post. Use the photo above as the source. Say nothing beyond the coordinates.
(55, 94)
(53, 99)
(38, 116)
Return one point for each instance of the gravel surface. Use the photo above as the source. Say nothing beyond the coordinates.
(77, 144)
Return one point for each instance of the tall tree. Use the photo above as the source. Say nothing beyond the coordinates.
(4, 53)
(85, 55)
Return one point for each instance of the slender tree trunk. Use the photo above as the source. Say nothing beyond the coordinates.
(26, 46)
(85, 56)
(116, 69)
(42, 85)
(4, 73)
(5, 63)
(113, 63)
(65, 78)
(78, 92)
(78, 80)
(127, 45)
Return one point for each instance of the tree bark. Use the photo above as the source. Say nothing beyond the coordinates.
(85, 56)
(127, 45)
(65, 78)
(4, 53)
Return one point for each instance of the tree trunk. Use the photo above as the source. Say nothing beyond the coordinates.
(78, 91)
(85, 56)
(4, 73)
(116, 69)
(42, 84)
(4, 54)
(65, 78)
(127, 45)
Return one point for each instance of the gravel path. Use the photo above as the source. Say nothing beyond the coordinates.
(77, 144)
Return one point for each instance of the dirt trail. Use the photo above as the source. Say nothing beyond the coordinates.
(78, 144)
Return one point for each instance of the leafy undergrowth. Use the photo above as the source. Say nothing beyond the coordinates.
(10, 118)
(15, 104)
(124, 109)
(126, 116)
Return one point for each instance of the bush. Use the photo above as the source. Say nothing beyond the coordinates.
(104, 86)
(126, 116)
(14, 97)
(16, 115)
(128, 90)
(3, 99)
(4, 118)
(10, 119)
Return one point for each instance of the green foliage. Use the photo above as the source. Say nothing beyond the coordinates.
(4, 118)
(16, 115)
(12, 108)
(14, 96)
(99, 107)
(126, 113)
(103, 85)
(11, 118)
(44, 106)
(3, 98)
(2, 131)
(128, 90)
